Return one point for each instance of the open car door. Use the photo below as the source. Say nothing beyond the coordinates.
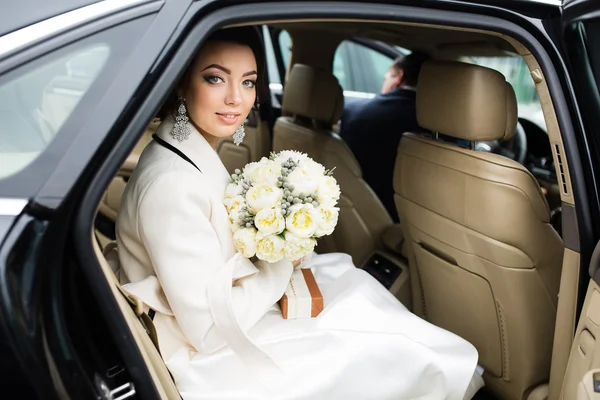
(581, 30)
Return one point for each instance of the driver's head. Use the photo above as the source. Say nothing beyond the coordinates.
(404, 71)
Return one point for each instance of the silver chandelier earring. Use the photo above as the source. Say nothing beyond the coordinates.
(181, 130)
(239, 134)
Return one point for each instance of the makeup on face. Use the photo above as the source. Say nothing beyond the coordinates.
(222, 89)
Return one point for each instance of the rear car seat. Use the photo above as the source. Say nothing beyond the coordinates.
(134, 315)
(314, 100)
(111, 201)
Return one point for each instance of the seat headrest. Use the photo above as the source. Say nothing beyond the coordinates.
(313, 93)
(466, 101)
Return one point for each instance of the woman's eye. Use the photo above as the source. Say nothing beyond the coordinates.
(249, 83)
(213, 79)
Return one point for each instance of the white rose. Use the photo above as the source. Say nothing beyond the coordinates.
(328, 192)
(234, 203)
(260, 197)
(269, 248)
(266, 173)
(244, 240)
(270, 221)
(297, 247)
(329, 219)
(232, 190)
(303, 221)
(285, 155)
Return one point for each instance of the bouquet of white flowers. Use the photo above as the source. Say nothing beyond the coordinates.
(280, 205)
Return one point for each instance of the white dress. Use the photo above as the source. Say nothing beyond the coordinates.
(220, 329)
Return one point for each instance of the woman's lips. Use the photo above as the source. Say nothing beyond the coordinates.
(229, 119)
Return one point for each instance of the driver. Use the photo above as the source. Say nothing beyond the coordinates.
(373, 128)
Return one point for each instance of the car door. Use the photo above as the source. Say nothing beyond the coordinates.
(64, 83)
(581, 30)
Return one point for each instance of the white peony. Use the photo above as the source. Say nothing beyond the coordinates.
(249, 168)
(328, 192)
(297, 247)
(285, 155)
(244, 240)
(260, 197)
(329, 219)
(269, 221)
(233, 203)
(303, 181)
(266, 173)
(314, 168)
(234, 220)
(232, 190)
(303, 221)
(269, 248)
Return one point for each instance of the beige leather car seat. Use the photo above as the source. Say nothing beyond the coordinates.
(256, 144)
(143, 333)
(485, 262)
(111, 201)
(313, 101)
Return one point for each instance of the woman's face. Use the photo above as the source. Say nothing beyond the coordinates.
(221, 89)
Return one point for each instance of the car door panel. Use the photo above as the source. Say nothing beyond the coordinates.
(585, 354)
(48, 341)
(581, 29)
(565, 320)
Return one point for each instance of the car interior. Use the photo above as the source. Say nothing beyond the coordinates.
(478, 250)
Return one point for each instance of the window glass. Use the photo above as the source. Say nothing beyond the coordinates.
(272, 70)
(41, 100)
(592, 36)
(285, 45)
(359, 68)
(517, 73)
(382, 63)
(35, 104)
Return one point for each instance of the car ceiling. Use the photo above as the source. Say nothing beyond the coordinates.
(440, 42)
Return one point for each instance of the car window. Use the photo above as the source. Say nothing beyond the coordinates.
(284, 43)
(34, 105)
(359, 68)
(591, 30)
(38, 98)
(517, 73)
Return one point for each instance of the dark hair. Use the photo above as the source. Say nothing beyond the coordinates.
(246, 35)
(411, 65)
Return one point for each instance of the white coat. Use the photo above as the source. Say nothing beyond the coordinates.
(215, 308)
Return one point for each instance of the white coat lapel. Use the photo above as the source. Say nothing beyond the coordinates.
(200, 152)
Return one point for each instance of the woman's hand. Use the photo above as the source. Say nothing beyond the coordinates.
(296, 262)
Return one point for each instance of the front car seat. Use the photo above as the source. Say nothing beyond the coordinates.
(314, 101)
(485, 262)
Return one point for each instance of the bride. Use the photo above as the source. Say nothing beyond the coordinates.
(220, 330)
